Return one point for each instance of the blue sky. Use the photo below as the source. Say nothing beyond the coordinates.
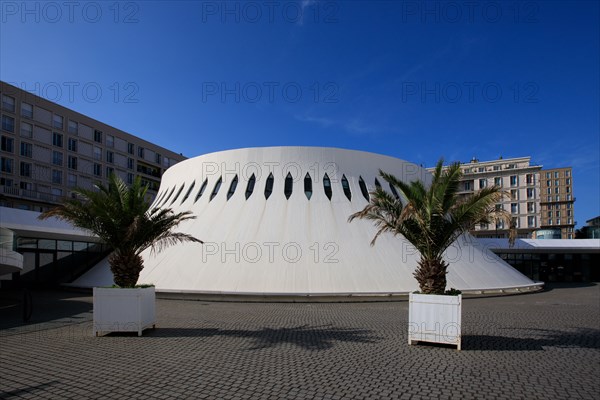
(408, 79)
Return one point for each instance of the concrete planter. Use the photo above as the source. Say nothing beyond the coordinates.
(434, 318)
(124, 310)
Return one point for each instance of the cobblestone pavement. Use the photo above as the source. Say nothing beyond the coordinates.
(537, 346)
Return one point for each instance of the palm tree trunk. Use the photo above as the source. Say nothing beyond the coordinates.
(431, 275)
(126, 268)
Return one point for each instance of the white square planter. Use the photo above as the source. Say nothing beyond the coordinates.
(124, 310)
(434, 318)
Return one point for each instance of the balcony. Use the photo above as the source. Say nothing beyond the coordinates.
(32, 195)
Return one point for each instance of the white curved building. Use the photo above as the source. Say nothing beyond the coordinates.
(274, 222)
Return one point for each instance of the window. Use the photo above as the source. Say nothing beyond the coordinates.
(530, 193)
(363, 188)
(288, 185)
(26, 130)
(548, 182)
(530, 179)
(327, 186)
(498, 181)
(556, 190)
(514, 208)
(157, 158)
(8, 103)
(130, 148)
(558, 213)
(97, 153)
(72, 144)
(515, 222)
(110, 141)
(110, 157)
(377, 184)
(483, 226)
(531, 221)
(57, 121)
(57, 177)
(549, 191)
(73, 127)
(568, 197)
(481, 169)
(187, 194)
(568, 189)
(57, 158)
(109, 171)
(570, 236)
(557, 221)
(26, 110)
(499, 224)
(232, 187)
(6, 182)
(346, 187)
(499, 207)
(130, 163)
(7, 144)
(556, 182)
(269, 186)
(26, 149)
(141, 152)
(569, 205)
(307, 186)
(56, 192)
(513, 180)
(557, 198)
(72, 162)
(550, 214)
(8, 123)
(202, 188)
(530, 207)
(548, 176)
(556, 174)
(25, 169)
(6, 165)
(550, 221)
(567, 173)
(57, 139)
(72, 180)
(129, 178)
(496, 167)
(570, 221)
(178, 193)
(216, 189)
(568, 181)
(97, 136)
(97, 169)
(250, 186)
(482, 183)
(468, 185)
(514, 194)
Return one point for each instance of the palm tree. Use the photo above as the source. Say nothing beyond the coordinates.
(120, 216)
(432, 218)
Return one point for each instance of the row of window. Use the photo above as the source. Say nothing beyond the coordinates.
(558, 198)
(557, 221)
(166, 197)
(557, 182)
(557, 190)
(8, 124)
(558, 213)
(556, 174)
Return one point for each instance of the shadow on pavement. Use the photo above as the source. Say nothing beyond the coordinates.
(29, 390)
(549, 286)
(306, 337)
(46, 307)
(580, 338)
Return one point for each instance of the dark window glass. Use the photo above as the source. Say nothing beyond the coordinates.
(269, 186)
(363, 188)
(216, 189)
(188, 192)
(250, 186)
(394, 192)
(232, 187)
(177, 195)
(346, 187)
(288, 186)
(307, 186)
(327, 186)
(201, 191)
(377, 184)
(168, 197)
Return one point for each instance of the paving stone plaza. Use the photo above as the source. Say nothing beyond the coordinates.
(544, 345)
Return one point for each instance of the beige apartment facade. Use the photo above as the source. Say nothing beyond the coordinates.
(526, 199)
(47, 150)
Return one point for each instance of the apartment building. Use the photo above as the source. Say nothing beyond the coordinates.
(527, 197)
(557, 203)
(47, 150)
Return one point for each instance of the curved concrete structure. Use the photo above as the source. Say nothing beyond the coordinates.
(275, 223)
